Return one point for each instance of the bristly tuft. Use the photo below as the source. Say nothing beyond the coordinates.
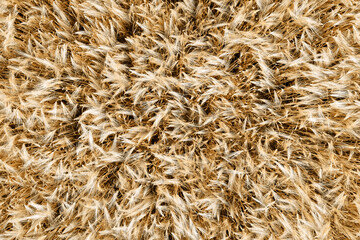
(196, 119)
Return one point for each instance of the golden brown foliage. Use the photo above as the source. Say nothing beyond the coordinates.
(195, 119)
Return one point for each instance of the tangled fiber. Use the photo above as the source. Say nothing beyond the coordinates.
(195, 119)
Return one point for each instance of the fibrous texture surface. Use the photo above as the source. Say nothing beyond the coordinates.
(201, 119)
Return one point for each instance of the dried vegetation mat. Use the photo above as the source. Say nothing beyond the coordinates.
(202, 119)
